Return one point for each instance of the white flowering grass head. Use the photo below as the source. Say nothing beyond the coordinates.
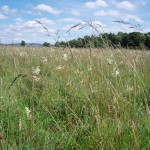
(28, 111)
(23, 54)
(89, 68)
(60, 67)
(115, 72)
(109, 61)
(65, 56)
(20, 124)
(35, 78)
(36, 70)
(129, 89)
(44, 59)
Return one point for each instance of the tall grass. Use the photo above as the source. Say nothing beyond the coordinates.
(51, 100)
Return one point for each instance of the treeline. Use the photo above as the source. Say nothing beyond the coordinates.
(134, 40)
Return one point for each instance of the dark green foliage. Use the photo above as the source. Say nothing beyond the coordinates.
(23, 43)
(147, 41)
(134, 40)
(46, 44)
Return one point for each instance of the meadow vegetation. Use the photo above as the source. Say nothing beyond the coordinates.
(74, 98)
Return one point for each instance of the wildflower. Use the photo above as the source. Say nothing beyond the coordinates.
(22, 54)
(65, 57)
(59, 67)
(79, 72)
(129, 89)
(28, 111)
(20, 124)
(121, 62)
(82, 82)
(44, 59)
(89, 68)
(53, 50)
(36, 70)
(110, 61)
(36, 78)
(115, 72)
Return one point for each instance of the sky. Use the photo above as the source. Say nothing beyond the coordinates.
(18, 18)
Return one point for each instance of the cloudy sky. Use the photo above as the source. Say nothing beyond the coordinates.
(18, 18)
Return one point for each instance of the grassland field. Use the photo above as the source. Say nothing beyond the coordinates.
(74, 99)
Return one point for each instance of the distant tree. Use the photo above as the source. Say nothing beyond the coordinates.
(114, 40)
(125, 42)
(23, 43)
(46, 44)
(147, 42)
(137, 39)
(60, 44)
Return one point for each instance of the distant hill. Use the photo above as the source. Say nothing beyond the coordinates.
(27, 44)
(34, 44)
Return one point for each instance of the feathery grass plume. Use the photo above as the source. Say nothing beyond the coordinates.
(20, 124)
(28, 113)
(15, 79)
(90, 24)
(48, 33)
(137, 27)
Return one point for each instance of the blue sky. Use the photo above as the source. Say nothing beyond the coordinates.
(17, 18)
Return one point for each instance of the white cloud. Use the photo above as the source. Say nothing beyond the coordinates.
(22, 26)
(75, 12)
(2, 17)
(143, 2)
(100, 13)
(46, 21)
(29, 30)
(47, 8)
(7, 10)
(126, 5)
(99, 24)
(115, 28)
(107, 13)
(68, 26)
(133, 17)
(70, 20)
(32, 12)
(97, 3)
(18, 34)
(146, 30)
